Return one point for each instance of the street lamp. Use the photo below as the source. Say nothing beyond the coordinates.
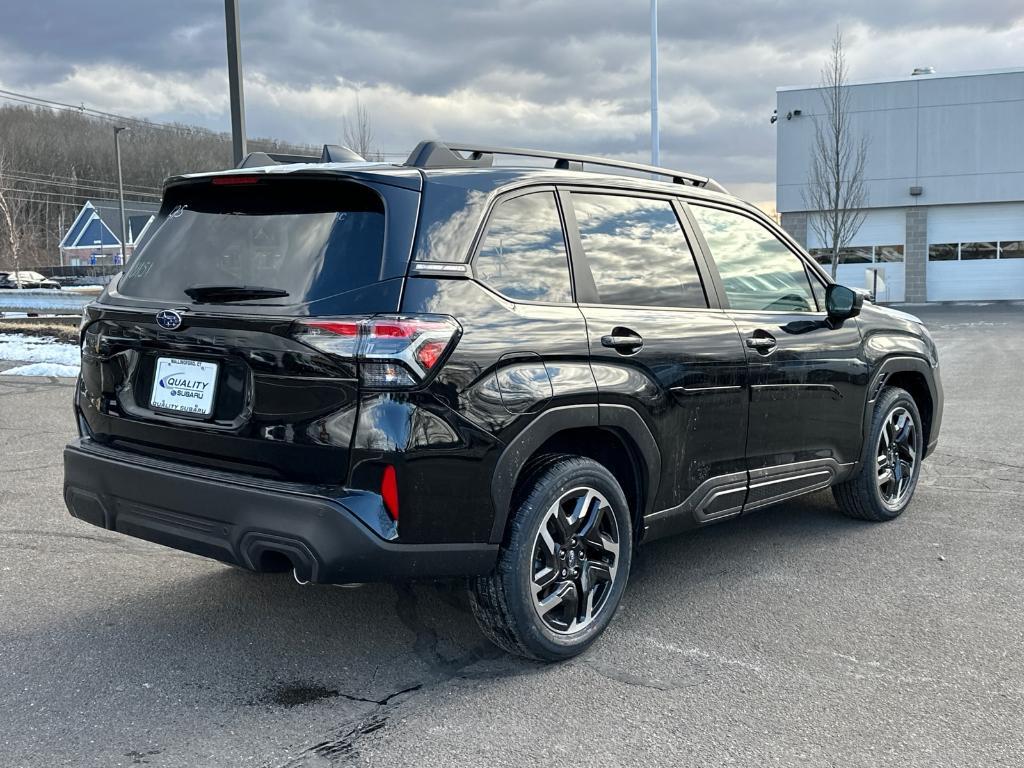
(231, 26)
(655, 131)
(120, 191)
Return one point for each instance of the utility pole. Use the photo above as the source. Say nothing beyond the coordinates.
(120, 192)
(655, 132)
(235, 80)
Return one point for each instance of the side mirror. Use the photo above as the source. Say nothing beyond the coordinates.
(841, 302)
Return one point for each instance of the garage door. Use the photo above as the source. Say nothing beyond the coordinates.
(881, 227)
(976, 252)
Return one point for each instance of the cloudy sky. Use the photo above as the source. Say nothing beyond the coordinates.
(547, 73)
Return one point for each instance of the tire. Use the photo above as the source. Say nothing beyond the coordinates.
(570, 535)
(865, 496)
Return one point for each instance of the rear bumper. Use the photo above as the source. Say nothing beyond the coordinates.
(228, 518)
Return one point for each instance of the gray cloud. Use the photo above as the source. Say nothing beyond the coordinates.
(572, 75)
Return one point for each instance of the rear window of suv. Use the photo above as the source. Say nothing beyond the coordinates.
(311, 238)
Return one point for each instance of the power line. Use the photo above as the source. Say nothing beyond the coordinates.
(74, 185)
(42, 197)
(62, 177)
(37, 201)
(178, 128)
(38, 101)
(62, 195)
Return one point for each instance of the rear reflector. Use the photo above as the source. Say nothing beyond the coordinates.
(429, 353)
(389, 491)
(393, 351)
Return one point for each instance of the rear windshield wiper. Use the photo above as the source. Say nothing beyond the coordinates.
(225, 293)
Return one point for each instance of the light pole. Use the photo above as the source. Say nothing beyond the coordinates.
(655, 137)
(120, 191)
(235, 80)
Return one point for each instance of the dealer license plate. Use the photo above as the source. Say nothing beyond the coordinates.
(185, 386)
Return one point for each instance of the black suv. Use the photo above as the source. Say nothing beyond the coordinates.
(513, 375)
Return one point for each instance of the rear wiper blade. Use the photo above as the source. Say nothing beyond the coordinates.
(225, 293)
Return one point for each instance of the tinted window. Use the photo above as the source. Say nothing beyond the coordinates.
(888, 253)
(818, 289)
(311, 239)
(523, 254)
(1011, 249)
(858, 255)
(758, 270)
(637, 252)
(821, 256)
(970, 251)
(943, 251)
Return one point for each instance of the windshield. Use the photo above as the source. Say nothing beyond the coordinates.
(306, 240)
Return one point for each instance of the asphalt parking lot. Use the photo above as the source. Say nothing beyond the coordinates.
(791, 637)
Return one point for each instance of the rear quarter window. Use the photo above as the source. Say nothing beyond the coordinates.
(523, 254)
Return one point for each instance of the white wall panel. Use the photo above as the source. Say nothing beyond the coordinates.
(976, 280)
(975, 223)
(882, 226)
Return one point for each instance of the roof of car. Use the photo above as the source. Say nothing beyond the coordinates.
(489, 179)
(470, 166)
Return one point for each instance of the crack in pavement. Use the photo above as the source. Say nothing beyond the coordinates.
(343, 743)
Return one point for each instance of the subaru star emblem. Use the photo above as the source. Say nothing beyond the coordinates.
(168, 319)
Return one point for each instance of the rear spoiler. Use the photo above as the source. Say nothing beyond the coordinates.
(332, 153)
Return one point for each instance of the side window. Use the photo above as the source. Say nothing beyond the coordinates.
(758, 270)
(818, 289)
(523, 254)
(637, 251)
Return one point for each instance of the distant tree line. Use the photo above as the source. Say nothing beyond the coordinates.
(52, 161)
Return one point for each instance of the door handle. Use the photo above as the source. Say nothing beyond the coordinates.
(623, 340)
(764, 343)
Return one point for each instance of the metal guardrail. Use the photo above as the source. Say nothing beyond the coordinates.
(44, 302)
(69, 320)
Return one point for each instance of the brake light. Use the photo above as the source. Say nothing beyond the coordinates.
(234, 181)
(389, 491)
(393, 351)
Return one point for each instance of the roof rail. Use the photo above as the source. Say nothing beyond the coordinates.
(444, 154)
(332, 153)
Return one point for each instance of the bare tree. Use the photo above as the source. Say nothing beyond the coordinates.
(835, 192)
(357, 132)
(57, 159)
(14, 215)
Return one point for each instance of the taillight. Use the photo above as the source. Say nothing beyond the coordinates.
(393, 351)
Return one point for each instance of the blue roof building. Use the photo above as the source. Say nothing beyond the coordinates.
(93, 237)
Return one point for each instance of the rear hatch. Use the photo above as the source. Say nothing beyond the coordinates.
(191, 355)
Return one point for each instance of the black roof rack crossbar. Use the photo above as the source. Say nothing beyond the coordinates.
(443, 154)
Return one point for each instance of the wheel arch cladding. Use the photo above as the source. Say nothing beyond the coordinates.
(913, 375)
(916, 385)
(628, 452)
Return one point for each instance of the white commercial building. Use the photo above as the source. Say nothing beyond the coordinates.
(944, 219)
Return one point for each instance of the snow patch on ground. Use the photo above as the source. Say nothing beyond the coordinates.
(42, 369)
(39, 349)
